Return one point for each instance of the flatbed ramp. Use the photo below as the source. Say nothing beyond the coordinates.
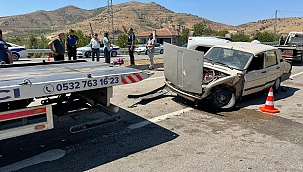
(42, 79)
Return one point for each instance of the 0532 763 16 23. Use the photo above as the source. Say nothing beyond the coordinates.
(87, 83)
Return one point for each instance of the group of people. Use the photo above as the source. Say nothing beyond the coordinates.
(58, 47)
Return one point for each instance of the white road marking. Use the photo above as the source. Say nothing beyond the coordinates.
(43, 157)
(296, 74)
(148, 79)
(158, 119)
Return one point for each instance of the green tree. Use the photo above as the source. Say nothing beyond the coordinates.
(266, 36)
(33, 42)
(221, 33)
(199, 29)
(240, 37)
(44, 42)
(122, 41)
(184, 36)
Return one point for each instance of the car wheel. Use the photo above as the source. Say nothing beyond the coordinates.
(87, 54)
(277, 85)
(114, 54)
(223, 98)
(16, 56)
(161, 51)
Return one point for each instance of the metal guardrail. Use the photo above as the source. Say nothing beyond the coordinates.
(38, 50)
(270, 43)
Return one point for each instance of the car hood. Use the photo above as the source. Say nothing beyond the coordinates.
(222, 69)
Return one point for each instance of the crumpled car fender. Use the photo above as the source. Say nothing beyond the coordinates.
(229, 81)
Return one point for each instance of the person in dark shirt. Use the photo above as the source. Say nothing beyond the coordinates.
(130, 43)
(58, 44)
(5, 54)
(71, 45)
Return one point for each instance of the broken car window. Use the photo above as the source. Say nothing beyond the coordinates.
(233, 58)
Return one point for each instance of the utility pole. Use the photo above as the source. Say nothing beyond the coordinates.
(275, 24)
(110, 17)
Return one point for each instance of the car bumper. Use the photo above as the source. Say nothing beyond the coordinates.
(23, 54)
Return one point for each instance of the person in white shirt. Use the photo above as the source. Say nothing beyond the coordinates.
(95, 47)
(150, 48)
(255, 41)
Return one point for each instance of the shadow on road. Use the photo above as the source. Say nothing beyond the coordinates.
(88, 149)
(260, 98)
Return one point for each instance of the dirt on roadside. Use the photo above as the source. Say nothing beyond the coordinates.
(143, 61)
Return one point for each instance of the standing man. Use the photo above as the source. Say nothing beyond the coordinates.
(107, 46)
(150, 47)
(58, 44)
(71, 45)
(5, 54)
(95, 47)
(130, 43)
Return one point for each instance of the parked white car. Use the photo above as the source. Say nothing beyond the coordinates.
(85, 51)
(226, 73)
(17, 51)
(142, 49)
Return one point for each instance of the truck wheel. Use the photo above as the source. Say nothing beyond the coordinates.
(277, 85)
(223, 98)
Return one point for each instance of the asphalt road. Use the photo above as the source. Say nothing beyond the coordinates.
(180, 137)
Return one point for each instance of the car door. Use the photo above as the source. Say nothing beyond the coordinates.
(272, 67)
(255, 77)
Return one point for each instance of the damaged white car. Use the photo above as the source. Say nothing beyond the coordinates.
(226, 72)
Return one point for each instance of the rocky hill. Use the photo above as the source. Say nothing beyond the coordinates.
(140, 16)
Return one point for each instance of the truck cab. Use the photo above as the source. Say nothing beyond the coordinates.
(292, 47)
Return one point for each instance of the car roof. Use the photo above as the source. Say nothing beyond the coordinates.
(247, 47)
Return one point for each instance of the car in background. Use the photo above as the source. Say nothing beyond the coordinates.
(17, 51)
(85, 51)
(142, 49)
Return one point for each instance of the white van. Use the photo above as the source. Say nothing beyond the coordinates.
(205, 43)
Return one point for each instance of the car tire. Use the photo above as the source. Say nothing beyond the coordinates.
(277, 85)
(87, 54)
(161, 51)
(114, 54)
(16, 56)
(222, 98)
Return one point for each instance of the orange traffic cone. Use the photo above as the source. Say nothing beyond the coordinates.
(269, 104)
(48, 58)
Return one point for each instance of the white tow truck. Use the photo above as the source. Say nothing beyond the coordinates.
(63, 89)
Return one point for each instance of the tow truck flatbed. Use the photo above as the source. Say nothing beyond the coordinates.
(66, 89)
(41, 79)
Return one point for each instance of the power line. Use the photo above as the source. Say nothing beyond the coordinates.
(292, 11)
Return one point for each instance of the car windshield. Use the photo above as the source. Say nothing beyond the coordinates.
(228, 57)
(296, 40)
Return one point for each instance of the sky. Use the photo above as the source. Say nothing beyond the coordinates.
(232, 12)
